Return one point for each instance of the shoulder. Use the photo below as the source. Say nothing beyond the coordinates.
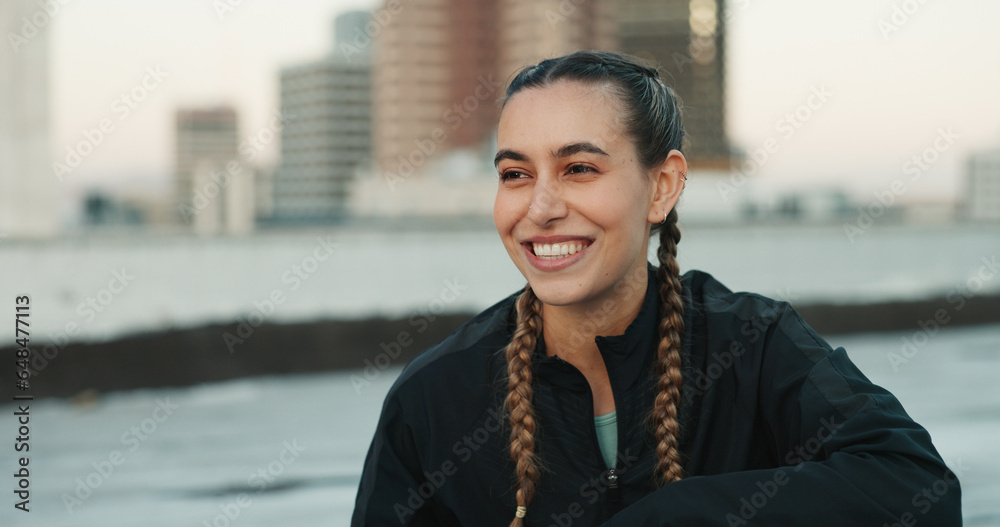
(747, 319)
(742, 342)
(707, 296)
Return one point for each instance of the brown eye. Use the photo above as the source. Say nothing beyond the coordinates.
(580, 169)
(511, 174)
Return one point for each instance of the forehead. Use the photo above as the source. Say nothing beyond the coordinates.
(558, 114)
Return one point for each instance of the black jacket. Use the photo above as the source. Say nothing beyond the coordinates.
(778, 429)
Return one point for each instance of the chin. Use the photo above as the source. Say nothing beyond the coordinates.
(553, 299)
(555, 292)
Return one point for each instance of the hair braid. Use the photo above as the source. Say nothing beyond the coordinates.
(671, 327)
(519, 398)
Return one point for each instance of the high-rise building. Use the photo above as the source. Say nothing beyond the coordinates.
(534, 30)
(326, 135)
(214, 189)
(28, 186)
(435, 81)
(982, 191)
(686, 38)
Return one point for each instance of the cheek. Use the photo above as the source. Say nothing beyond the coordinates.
(504, 214)
(618, 208)
(625, 214)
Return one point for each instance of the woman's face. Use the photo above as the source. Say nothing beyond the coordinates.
(574, 205)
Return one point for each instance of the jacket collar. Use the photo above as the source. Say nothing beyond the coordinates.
(627, 356)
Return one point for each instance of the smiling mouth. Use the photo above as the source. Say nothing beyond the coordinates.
(556, 251)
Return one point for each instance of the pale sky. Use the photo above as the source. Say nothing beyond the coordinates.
(888, 98)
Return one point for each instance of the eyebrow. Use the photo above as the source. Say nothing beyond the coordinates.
(507, 153)
(576, 148)
(565, 151)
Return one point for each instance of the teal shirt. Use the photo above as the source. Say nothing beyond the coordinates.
(607, 437)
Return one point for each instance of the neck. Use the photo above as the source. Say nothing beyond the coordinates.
(570, 330)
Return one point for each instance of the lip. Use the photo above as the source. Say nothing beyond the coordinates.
(554, 265)
(556, 239)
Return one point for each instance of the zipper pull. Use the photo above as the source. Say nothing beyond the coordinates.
(611, 478)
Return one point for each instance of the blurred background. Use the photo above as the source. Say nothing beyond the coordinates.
(236, 220)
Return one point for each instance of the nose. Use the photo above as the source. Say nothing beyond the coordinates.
(547, 203)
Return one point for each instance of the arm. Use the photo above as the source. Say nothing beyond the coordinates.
(851, 454)
(389, 493)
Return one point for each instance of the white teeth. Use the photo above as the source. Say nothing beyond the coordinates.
(557, 250)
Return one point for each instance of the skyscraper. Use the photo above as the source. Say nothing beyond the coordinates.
(214, 190)
(982, 191)
(28, 186)
(435, 81)
(687, 39)
(533, 30)
(326, 136)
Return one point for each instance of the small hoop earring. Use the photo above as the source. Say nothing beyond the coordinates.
(664, 218)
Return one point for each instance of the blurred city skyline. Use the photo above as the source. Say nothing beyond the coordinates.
(943, 58)
(899, 74)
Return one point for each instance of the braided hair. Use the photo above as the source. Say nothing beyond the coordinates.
(651, 117)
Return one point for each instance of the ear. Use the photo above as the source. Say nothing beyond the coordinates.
(668, 183)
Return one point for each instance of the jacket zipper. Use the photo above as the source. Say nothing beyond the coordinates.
(614, 494)
(610, 475)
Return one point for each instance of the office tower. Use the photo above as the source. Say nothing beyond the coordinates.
(435, 81)
(353, 35)
(28, 184)
(982, 192)
(326, 135)
(533, 30)
(687, 39)
(214, 188)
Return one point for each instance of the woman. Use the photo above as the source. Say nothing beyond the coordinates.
(611, 391)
